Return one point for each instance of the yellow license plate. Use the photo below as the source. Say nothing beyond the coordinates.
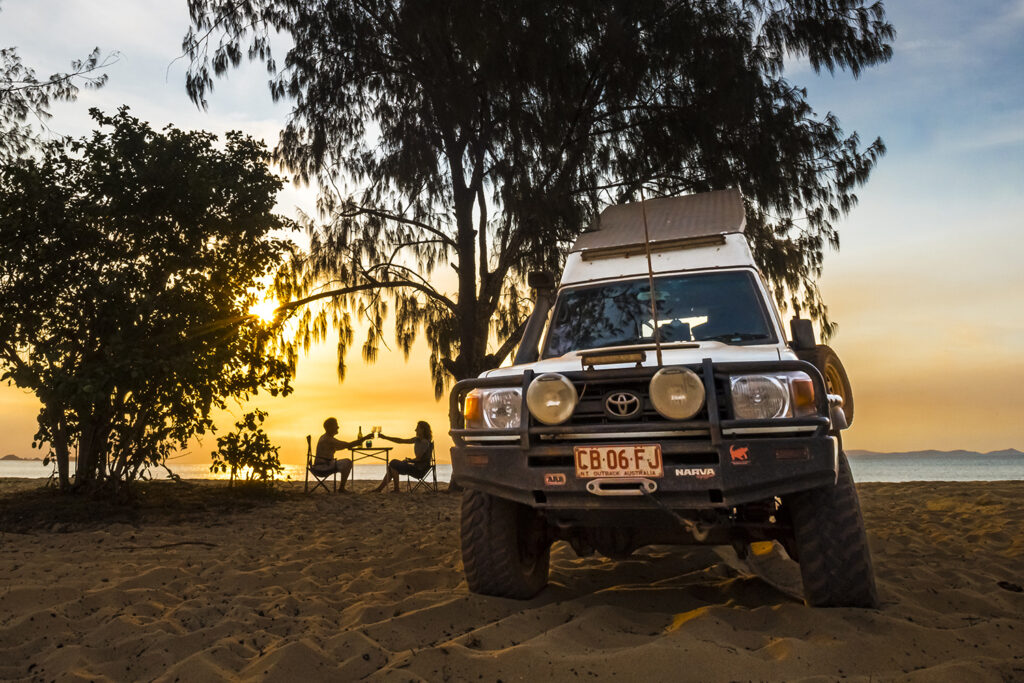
(640, 460)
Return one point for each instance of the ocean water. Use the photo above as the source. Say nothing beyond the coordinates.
(896, 468)
(875, 467)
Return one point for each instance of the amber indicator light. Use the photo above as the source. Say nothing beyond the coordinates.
(803, 398)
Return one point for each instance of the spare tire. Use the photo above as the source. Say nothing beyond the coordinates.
(831, 368)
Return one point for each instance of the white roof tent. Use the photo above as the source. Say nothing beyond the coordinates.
(672, 223)
(696, 232)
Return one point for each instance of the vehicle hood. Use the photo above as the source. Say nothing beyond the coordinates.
(716, 351)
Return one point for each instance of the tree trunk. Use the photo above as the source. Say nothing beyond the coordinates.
(60, 449)
(92, 445)
(470, 353)
(86, 453)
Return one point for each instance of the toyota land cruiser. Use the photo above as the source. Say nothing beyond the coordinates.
(654, 399)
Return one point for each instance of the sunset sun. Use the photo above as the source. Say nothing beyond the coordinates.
(264, 310)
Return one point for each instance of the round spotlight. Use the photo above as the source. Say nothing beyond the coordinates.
(551, 398)
(677, 393)
(758, 397)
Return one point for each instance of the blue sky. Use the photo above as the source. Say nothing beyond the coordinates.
(927, 289)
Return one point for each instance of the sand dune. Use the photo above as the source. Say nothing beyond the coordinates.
(370, 586)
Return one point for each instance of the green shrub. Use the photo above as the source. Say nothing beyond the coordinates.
(248, 451)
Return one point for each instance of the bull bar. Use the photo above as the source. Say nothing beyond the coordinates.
(516, 469)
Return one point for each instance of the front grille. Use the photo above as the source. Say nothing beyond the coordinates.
(591, 407)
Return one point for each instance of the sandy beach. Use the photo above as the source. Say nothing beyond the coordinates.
(370, 586)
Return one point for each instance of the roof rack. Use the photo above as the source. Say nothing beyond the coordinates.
(690, 221)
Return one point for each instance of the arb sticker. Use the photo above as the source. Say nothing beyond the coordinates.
(738, 456)
(554, 479)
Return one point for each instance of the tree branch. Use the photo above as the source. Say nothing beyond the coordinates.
(57, 79)
(360, 210)
(482, 232)
(509, 344)
(430, 292)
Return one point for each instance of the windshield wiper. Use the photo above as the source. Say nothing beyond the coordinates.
(734, 337)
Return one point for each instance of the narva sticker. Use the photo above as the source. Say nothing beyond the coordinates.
(698, 472)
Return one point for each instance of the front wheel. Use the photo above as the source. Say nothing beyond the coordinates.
(828, 530)
(505, 548)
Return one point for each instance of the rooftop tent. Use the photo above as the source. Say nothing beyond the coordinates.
(671, 222)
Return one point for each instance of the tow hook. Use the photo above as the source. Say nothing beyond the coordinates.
(695, 529)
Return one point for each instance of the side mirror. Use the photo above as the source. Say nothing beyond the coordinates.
(801, 333)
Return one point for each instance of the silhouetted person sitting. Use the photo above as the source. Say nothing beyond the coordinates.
(325, 463)
(423, 446)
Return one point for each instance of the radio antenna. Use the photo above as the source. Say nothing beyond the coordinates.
(650, 278)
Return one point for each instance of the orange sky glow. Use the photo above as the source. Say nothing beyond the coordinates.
(927, 288)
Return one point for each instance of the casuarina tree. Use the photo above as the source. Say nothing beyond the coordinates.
(459, 145)
(128, 265)
(25, 98)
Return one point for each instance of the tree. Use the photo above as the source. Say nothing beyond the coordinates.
(129, 262)
(487, 134)
(247, 449)
(23, 97)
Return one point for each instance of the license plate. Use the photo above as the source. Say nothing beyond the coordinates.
(619, 461)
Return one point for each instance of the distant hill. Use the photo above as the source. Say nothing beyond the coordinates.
(1005, 453)
(12, 456)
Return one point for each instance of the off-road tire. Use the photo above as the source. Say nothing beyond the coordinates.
(828, 529)
(836, 379)
(505, 548)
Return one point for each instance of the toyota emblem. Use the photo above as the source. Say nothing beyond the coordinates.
(622, 404)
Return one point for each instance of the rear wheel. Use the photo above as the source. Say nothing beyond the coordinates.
(836, 380)
(505, 548)
(828, 530)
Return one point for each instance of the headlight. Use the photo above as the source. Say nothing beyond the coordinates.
(492, 408)
(677, 393)
(763, 397)
(551, 398)
(758, 397)
(502, 407)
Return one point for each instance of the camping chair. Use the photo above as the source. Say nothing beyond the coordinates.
(414, 483)
(320, 479)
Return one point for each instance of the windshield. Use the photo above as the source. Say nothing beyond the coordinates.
(723, 307)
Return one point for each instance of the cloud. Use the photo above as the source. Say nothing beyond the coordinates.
(999, 132)
(1014, 12)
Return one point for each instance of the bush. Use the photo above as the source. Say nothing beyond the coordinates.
(247, 450)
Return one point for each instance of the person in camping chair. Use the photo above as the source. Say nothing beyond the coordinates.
(325, 463)
(423, 447)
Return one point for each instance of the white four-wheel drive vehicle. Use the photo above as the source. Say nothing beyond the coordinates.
(655, 400)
